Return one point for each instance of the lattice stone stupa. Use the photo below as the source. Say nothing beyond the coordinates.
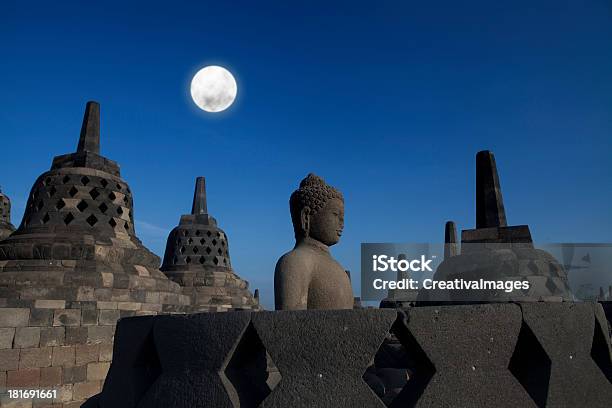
(197, 257)
(71, 270)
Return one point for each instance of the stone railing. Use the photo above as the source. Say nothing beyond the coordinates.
(502, 355)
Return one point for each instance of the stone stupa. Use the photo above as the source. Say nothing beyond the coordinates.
(197, 257)
(496, 251)
(71, 270)
(6, 228)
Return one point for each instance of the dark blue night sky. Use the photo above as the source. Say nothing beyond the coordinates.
(387, 101)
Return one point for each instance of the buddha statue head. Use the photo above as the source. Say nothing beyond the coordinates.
(317, 211)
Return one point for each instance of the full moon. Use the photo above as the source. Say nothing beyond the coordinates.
(213, 89)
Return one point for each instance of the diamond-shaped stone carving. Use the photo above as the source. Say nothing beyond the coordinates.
(136, 365)
(92, 220)
(194, 350)
(82, 206)
(565, 332)
(399, 368)
(94, 193)
(251, 371)
(531, 366)
(600, 350)
(68, 218)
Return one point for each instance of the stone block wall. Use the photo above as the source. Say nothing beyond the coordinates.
(67, 345)
(71, 270)
(53, 344)
(502, 355)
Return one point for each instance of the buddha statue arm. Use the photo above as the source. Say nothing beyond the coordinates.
(291, 282)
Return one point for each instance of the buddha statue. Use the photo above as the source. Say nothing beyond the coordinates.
(308, 277)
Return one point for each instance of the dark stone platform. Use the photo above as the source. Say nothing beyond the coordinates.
(503, 355)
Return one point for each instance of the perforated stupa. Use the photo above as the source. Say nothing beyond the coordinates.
(197, 257)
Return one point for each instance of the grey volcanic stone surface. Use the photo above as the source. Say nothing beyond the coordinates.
(498, 252)
(72, 269)
(507, 355)
(197, 258)
(546, 276)
(136, 363)
(566, 332)
(322, 355)
(78, 232)
(308, 277)
(470, 348)
(193, 351)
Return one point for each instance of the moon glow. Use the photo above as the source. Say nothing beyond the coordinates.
(213, 88)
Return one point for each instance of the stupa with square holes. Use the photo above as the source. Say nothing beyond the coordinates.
(197, 257)
(71, 270)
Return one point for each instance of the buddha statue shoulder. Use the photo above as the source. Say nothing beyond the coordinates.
(308, 277)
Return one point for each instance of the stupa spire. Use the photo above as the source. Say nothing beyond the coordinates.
(199, 205)
(489, 202)
(89, 141)
(450, 240)
(197, 258)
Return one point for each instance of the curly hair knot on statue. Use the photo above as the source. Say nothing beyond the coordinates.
(313, 193)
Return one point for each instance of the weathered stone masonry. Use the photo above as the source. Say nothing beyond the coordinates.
(197, 257)
(489, 355)
(70, 271)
